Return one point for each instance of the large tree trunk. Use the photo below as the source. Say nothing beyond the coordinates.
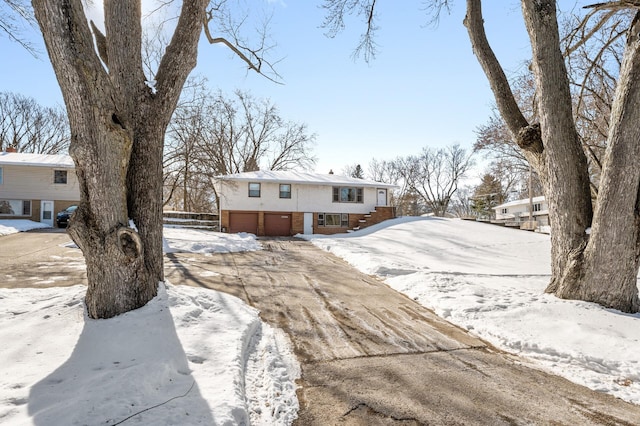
(601, 267)
(567, 185)
(117, 127)
(609, 266)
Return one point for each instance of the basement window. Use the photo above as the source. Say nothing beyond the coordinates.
(335, 220)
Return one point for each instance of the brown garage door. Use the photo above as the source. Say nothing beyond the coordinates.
(243, 222)
(277, 224)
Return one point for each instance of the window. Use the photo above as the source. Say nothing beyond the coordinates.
(254, 190)
(60, 176)
(333, 220)
(0, 175)
(537, 207)
(504, 211)
(285, 190)
(15, 207)
(345, 194)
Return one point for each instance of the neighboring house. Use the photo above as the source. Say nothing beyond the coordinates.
(36, 186)
(281, 203)
(518, 211)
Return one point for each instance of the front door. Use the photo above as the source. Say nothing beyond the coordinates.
(382, 197)
(46, 212)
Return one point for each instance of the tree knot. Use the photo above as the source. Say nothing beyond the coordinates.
(130, 242)
(530, 138)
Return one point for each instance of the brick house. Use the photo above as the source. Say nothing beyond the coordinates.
(284, 203)
(36, 186)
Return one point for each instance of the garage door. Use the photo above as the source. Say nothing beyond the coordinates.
(277, 224)
(243, 222)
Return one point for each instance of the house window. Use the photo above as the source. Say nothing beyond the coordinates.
(254, 190)
(334, 220)
(0, 175)
(60, 176)
(15, 207)
(503, 211)
(537, 207)
(346, 194)
(285, 190)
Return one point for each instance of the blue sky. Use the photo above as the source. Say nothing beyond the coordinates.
(425, 88)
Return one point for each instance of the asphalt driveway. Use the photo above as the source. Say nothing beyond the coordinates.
(369, 355)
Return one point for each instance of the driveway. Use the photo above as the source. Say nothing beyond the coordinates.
(369, 355)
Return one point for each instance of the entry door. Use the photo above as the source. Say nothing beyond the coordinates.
(308, 223)
(46, 212)
(382, 197)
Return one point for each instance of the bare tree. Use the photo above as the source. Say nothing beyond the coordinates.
(437, 175)
(118, 118)
(249, 134)
(14, 14)
(462, 203)
(211, 135)
(30, 127)
(601, 265)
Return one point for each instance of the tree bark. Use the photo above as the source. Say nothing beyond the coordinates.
(611, 259)
(117, 132)
(567, 187)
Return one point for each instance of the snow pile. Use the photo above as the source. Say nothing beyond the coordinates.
(190, 356)
(12, 226)
(491, 280)
(201, 241)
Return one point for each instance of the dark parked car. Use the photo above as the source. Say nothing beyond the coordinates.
(62, 218)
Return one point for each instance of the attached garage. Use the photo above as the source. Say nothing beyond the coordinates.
(277, 224)
(243, 222)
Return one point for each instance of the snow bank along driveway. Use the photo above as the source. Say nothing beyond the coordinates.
(491, 280)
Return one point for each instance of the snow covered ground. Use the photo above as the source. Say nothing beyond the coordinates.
(191, 356)
(491, 281)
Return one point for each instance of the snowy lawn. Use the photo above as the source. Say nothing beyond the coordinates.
(491, 280)
(190, 356)
(12, 226)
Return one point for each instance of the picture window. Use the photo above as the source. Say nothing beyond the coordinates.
(15, 207)
(346, 194)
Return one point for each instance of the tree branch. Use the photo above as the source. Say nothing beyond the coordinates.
(507, 105)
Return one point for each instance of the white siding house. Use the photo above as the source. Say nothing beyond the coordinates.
(518, 211)
(36, 186)
(287, 203)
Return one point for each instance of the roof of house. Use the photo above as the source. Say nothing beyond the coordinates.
(36, 160)
(302, 178)
(522, 202)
